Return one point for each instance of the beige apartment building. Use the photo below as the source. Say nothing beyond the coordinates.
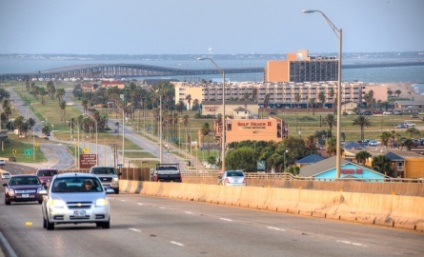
(275, 95)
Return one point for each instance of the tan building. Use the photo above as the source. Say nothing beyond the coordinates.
(183, 89)
(279, 95)
(87, 87)
(118, 84)
(379, 91)
(300, 67)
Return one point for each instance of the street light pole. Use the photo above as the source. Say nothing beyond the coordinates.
(160, 127)
(223, 109)
(339, 34)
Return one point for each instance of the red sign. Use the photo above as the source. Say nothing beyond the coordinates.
(351, 171)
(87, 160)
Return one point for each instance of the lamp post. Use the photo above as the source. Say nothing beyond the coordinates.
(223, 109)
(339, 34)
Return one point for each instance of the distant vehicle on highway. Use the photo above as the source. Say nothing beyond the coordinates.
(167, 172)
(374, 143)
(387, 113)
(232, 178)
(46, 174)
(5, 175)
(2, 162)
(108, 176)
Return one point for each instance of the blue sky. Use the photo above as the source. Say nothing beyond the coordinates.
(208, 26)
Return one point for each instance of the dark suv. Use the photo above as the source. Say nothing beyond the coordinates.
(46, 174)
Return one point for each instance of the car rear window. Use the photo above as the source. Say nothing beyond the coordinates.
(104, 171)
(235, 174)
(46, 173)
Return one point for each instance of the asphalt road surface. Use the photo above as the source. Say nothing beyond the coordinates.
(147, 226)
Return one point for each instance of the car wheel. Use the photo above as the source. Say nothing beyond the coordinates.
(49, 225)
(105, 224)
(7, 202)
(40, 201)
(44, 223)
(117, 191)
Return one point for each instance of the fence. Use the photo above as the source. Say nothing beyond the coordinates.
(410, 187)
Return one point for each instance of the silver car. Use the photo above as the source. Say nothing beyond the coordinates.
(232, 178)
(73, 198)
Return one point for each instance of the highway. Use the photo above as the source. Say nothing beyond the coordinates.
(147, 226)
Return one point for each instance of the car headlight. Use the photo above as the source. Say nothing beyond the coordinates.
(56, 203)
(102, 202)
(10, 191)
(115, 179)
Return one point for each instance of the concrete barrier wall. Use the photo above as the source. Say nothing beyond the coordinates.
(405, 212)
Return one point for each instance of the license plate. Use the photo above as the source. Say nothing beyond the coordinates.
(79, 213)
(25, 195)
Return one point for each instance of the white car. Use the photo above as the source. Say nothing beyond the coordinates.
(69, 201)
(2, 162)
(374, 143)
(387, 113)
(5, 175)
(232, 178)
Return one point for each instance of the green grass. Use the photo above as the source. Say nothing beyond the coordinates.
(303, 121)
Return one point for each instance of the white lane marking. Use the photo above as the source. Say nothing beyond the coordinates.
(225, 219)
(140, 203)
(135, 230)
(351, 243)
(122, 200)
(163, 208)
(275, 228)
(188, 212)
(176, 243)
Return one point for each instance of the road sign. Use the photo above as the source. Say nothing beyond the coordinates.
(85, 150)
(28, 151)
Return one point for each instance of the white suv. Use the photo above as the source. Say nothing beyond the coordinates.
(68, 200)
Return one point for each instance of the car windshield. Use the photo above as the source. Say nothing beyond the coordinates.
(47, 173)
(104, 171)
(76, 185)
(235, 174)
(24, 181)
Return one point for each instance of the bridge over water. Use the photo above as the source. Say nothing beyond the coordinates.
(142, 70)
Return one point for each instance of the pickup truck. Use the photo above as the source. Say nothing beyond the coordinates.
(167, 173)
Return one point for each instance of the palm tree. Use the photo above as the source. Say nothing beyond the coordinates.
(330, 121)
(321, 97)
(62, 106)
(362, 157)
(413, 131)
(331, 148)
(188, 98)
(382, 164)
(398, 92)
(312, 104)
(363, 122)
(205, 131)
(385, 138)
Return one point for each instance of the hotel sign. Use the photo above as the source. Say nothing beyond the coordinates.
(351, 171)
(254, 124)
